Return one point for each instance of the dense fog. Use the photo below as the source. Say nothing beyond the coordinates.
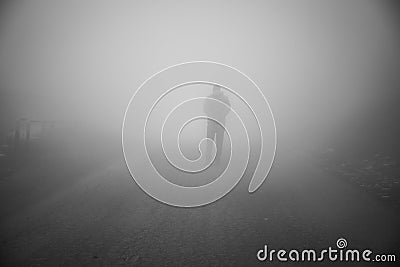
(328, 68)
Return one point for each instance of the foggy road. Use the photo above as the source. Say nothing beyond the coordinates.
(76, 77)
(100, 217)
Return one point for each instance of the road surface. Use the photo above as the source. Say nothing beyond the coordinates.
(60, 211)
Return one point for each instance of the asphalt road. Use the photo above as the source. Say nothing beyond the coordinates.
(63, 211)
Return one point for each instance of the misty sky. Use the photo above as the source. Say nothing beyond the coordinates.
(321, 64)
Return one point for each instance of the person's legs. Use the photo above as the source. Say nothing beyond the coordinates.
(219, 140)
(211, 135)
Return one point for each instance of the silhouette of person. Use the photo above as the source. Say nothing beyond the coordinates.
(217, 111)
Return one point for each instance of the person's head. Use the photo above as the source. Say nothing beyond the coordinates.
(216, 89)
